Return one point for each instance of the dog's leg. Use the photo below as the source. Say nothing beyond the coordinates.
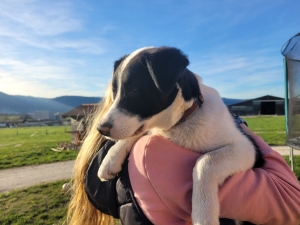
(116, 155)
(210, 171)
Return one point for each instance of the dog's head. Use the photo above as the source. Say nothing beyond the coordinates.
(145, 83)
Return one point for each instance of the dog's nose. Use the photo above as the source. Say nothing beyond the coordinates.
(104, 128)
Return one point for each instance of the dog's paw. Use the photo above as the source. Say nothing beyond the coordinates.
(104, 174)
(108, 169)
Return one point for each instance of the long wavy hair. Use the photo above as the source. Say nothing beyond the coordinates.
(80, 210)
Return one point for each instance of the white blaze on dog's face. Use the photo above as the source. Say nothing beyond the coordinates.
(145, 83)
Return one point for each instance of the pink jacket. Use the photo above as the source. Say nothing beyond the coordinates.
(161, 177)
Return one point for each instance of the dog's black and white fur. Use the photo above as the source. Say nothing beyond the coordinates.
(152, 89)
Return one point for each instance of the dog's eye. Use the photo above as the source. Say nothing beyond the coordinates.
(134, 90)
(131, 90)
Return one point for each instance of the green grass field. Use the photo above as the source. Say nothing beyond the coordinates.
(270, 128)
(43, 204)
(9, 117)
(47, 204)
(296, 165)
(32, 145)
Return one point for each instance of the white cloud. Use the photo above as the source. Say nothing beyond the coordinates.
(38, 70)
(233, 74)
(39, 79)
(52, 78)
(45, 53)
(91, 46)
(45, 18)
(48, 25)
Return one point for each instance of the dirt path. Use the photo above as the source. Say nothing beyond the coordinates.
(285, 150)
(22, 177)
(27, 176)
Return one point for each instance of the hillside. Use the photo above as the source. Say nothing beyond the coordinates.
(75, 101)
(17, 104)
(230, 101)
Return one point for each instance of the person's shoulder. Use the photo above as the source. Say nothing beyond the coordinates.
(155, 165)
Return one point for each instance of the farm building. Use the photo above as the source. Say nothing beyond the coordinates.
(265, 105)
(78, 117)
(43, 115)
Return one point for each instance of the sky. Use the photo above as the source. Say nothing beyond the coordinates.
(51, 48)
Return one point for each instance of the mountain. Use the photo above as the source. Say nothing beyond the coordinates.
(75, 101)
(230, 101)
(17, 104)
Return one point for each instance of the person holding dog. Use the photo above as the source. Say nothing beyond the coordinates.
(152, 188)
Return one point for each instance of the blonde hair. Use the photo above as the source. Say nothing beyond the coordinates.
(80, 210)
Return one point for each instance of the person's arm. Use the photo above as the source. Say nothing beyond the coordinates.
(113, 197)
(102, 195)
(268, 195)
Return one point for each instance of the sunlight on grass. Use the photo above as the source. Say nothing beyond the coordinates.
(32, 145)
(270, 128)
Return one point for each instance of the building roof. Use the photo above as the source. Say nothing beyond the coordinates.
(81, 111)
(263, 98)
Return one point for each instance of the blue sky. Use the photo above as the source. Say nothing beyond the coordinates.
(50, 48)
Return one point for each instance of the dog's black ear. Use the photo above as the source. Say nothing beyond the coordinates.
(118, 62)
(165, 65)
(189, 85)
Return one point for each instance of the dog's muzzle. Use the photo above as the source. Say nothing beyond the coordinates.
(104, 128)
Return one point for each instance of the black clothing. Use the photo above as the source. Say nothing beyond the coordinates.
(113, 197)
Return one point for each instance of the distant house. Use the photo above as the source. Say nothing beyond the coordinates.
(43, 115)
(78, 117)
(3, 124)
(265, 105)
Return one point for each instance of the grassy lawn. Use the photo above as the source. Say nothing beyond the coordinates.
(32, 145)
(43, 204)
(296, 165)
(271, 128)
(47, 204)
(9, 117)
